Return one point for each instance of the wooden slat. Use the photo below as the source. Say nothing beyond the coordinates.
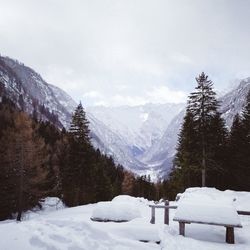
(243, 212)
(208, 223)
(163, 206)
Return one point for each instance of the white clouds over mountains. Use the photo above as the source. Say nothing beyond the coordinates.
(160, 94)
(117, 52)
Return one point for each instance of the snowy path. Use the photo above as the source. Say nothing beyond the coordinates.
(72, 229)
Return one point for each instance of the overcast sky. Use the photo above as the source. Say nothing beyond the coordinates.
(128, 52)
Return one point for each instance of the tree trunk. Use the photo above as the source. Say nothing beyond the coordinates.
(21, 183)
(203, 170)
(203, 177)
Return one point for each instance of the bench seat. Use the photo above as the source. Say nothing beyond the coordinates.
(208, 214)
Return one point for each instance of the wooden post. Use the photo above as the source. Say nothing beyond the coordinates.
(152, 221)
(230, 235)
(166, 213)
(182, 228)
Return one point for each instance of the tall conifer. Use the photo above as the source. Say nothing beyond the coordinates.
(202, 136)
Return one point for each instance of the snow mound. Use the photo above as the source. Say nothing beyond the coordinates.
(211, 205)
(51, 204)
(207, 213)
(47, 205)
(206, 195)
(130, 199)
(115, 211)
(240, 200)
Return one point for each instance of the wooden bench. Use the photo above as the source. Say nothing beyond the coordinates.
(229, 228)
(208, 214)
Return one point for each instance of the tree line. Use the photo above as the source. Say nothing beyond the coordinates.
(209, 153)
(38, 160)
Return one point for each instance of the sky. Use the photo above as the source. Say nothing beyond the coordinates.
(129, 52)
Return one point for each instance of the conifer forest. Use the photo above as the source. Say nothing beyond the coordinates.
(38, 159)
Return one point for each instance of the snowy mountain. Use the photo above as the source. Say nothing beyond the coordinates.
(161, 154)
(233, 102)
(137, 129)
(141, 138)
(140, 127)
(30, 92)
(113, 144)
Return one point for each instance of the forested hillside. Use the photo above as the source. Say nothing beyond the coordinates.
(38, 160)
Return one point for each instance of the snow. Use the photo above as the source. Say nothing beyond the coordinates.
(241, 200)
(132, 200)
(115, 211)
(127, 133)
(52, 204)
(62, 228)
(208, 213)
(208, 208)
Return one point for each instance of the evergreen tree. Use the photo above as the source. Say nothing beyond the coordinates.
(217, 152)
(77, 161)
(187, 166)
(202, 140)
(235, 154)
(79, 127)
(203, 106)
(239, 148)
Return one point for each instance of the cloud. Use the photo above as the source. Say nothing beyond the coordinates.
(181, 58)
(93, 94)
(128, 50)
(161, 94)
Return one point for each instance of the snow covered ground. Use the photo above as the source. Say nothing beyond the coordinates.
(61, 228)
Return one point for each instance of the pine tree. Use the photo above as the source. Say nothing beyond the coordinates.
(235, 154)
(203, 106)
(76, 163)
(217, 151)
(186, 159)
(202, 141)
(79, 127)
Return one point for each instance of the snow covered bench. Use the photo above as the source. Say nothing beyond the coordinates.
(114, 212)
(210, 214)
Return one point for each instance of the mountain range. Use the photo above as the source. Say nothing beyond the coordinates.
(141, 138)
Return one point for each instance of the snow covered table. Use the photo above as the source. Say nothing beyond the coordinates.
(107, 211)
(210, 214)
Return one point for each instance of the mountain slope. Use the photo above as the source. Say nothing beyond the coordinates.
(142, 138)
(32, 94)
(139, 126)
